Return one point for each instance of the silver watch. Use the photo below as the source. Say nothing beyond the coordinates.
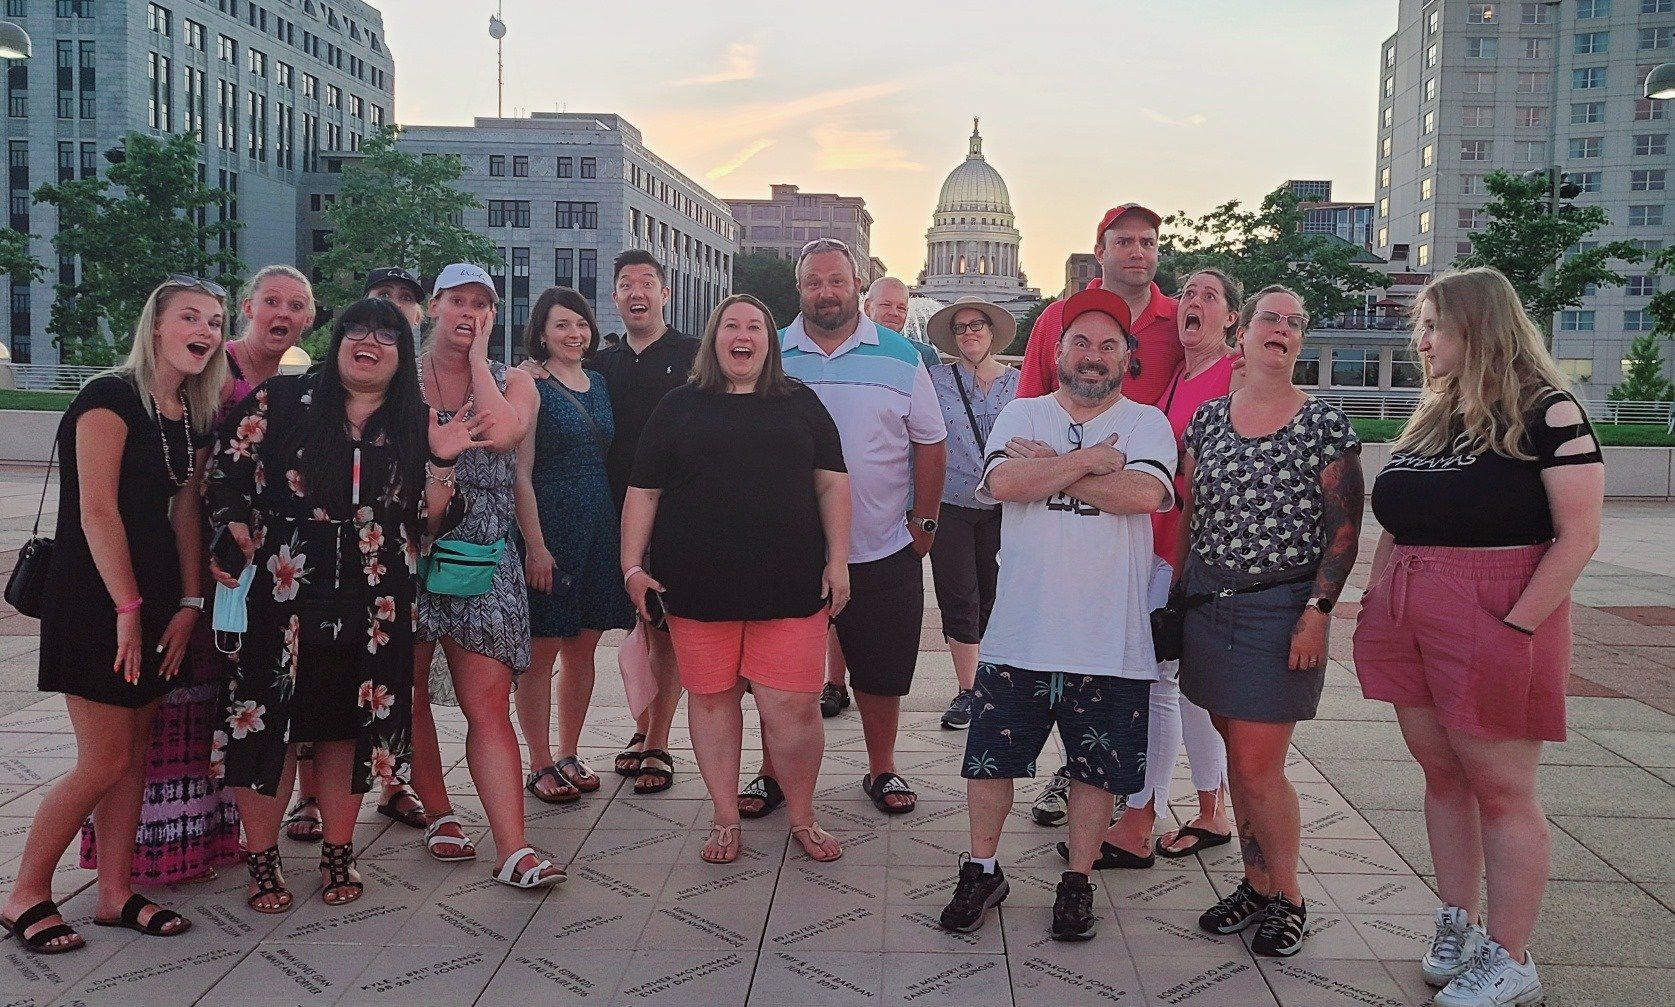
(197, 603)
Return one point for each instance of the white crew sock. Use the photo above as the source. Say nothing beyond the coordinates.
(987, 863)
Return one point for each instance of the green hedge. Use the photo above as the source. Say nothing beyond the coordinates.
(12, 398)
(1636, 435)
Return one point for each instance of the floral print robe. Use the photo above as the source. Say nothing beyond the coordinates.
(319, 577)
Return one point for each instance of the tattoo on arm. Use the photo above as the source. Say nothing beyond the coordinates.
(1249, 849)
(1343, 494)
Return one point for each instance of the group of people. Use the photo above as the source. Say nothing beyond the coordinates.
(1139, 537)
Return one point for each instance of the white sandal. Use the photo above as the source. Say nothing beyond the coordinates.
(433, 840)
(532, 878)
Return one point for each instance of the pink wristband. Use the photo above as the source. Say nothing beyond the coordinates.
(132, 606)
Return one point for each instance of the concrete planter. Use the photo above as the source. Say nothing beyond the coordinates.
(1647, 473)
(26, 435)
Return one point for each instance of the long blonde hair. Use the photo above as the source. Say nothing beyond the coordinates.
(1504, 372)
(203, 390)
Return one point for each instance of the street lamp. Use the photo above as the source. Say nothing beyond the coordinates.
(497, 31)
(1660, 82)
(14, 41)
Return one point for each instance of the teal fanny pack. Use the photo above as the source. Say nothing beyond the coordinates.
(461, 569)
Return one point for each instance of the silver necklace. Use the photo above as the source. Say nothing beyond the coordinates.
(162, 435)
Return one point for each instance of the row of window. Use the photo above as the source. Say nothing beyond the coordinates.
(567, 215)
(649, 229)
(1534, 14)
(565, 166)
(1583, 320)
(672, 197)
(1472, 219)
(254, 141)
(1582, 44)
(160, 20)
(1578, 148)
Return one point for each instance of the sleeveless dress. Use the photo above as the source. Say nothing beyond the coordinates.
(578, 515)
(495, 624)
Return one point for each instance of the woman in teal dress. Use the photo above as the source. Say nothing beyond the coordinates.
(569, 524)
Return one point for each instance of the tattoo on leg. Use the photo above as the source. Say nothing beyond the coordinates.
(1249, 849)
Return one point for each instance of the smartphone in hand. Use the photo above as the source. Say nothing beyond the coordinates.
(223, 548)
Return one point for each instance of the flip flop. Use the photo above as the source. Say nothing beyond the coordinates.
(566, 793)
(885, 785)
(764, 789)
(578, 774)
(130, 919)
(1205, 839)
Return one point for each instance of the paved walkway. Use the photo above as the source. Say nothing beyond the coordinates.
(643, 921)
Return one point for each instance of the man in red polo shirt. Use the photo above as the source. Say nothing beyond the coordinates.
(1126, 247)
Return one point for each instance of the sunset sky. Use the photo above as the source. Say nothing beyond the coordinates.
(1180, 104)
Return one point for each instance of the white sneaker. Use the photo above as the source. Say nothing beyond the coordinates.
(1454, 947)
(1493, 980)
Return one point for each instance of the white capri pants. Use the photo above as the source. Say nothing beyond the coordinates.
(1173, 717)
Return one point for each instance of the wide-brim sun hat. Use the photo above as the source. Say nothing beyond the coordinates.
(940, 329)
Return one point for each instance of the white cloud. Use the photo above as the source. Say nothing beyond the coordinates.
(1195, 119)
(738, 160)
(840, 148)
(740, 65)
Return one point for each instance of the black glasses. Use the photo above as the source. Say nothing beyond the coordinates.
(975, 325)
(357, 333)
(209, 287)
(1075, 436)
(1133, 356)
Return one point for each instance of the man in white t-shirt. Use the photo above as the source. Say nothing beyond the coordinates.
(1078, 474)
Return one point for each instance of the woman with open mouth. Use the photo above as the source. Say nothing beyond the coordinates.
(1274, 522)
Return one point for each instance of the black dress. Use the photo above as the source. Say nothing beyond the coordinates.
(78, 619)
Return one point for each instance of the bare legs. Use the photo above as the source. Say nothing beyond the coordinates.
(965, 663)
(427, 755)
(334, 762)
(660, 715)
(717, 723)
(880, 720)
(1270, 823)
(575, 688)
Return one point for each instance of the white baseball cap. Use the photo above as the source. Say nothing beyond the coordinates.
(458, 274)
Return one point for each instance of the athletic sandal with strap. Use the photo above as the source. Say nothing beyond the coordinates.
(337, 863)
(563, 795)
(312, 831)
(764, 789)
(434, 838)
(1202, 839)
(722, 838)
(813, 837)
(40, 942)
(264, 868)
(534, 877)
(628, 760)
(157, 926)
(661, 775)
(413, 816)
(887, 785)
(577, 774)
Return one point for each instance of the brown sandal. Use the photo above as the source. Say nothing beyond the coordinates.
(813, 834)
(722, 836)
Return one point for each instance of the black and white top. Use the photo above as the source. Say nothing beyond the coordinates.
(1257, 501)
(1484, 499)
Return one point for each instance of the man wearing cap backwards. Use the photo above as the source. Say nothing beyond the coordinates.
(1078, 474)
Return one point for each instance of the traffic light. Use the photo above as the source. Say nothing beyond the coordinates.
(1562, 186)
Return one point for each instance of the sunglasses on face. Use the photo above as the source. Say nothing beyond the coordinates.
(1296, 323)
(975, 325)
(357, 333)
(209, 287)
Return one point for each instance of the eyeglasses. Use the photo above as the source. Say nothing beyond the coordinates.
(1076, 436)
(975, 325)
(822, 245)
(1296, 323)
(209, 287)
(357, 333)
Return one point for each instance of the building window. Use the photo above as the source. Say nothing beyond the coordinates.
(1428, 155)
(1482, 48)
(1651, 144)
(577, 215)
(1390, 58)
(1592, 43)
(310, 86)
(1388, 117)
(1383, 207)
(1589, 10)
(1471, 185)
(1587, 112)
(497, 165)
(1384, 177)
(226, 50)
(1425, 187)
(334, 96)
(1538, 48)
(566, 167)
(1657, 6)
(1638, 320)
(1640, 286)
(1477, 82)
(1383, 236)
(1649, 110)
(66, 161)
(1534, 13)
(1657, 38)
(1470, 219)
(520, 166)
(1579, 369)
(1587, 78)
(1645, 216)
(1648, 180)
(1477, 116)
(1535, 83)
(357, 107)
(1528, 116)
(508, 213)
(1481, 13)
(258, 62)
(1422, 254)
(1587, 181)
(1352, 367)
(1428, 123)
(160, 78)
(1405, 369)
(1586, 146)
(158, 19)
(1433, 23)
(590, 167)
(564, 267)
(1424, 222)
(1529, 151)
(1383, 151)
(587, 274)
(1471, 150)
(1431, 60)
(1576, 320)
(195, 36)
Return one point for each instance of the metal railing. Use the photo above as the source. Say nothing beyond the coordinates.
(1399, 406)
(46, 377)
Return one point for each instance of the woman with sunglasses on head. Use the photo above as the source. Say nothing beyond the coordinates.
(328, 487)
(1273, 523)
(123, 592)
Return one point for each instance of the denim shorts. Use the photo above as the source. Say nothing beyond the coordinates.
(1101, 721)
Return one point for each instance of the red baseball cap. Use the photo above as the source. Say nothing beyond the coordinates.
(1094, 299)
(1116, 213)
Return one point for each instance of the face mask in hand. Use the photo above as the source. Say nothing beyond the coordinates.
(231, 614)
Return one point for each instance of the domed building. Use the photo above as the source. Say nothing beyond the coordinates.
(972, 245)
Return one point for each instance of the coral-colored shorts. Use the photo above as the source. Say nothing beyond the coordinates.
(785, 654)
(1430, 634)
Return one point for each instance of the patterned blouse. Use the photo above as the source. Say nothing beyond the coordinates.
(965, 446)
(1257, 502)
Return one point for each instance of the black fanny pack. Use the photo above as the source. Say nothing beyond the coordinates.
(1169, 622)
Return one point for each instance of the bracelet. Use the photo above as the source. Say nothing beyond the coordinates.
(1512, 625)
(440, 476)
(443, 463)
(628, 574)
(132, 606)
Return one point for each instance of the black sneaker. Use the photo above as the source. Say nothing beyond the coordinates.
(833, 698)
(1073, 918)
(1281, 932)
(974, 895)
(958, 717)
(1237, 911)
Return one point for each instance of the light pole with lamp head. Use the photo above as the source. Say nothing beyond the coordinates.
(14, 41)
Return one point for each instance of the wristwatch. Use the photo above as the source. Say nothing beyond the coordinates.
(1322, 605)
(197, 603)
(925, 524)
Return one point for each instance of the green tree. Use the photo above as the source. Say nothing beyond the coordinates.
(770, 278)
(1533, 247)
(15, 259)
(1643, 379)
(1662, 305)
(1267, 245)
(148, 217)
(1025, 324)
(396, 209)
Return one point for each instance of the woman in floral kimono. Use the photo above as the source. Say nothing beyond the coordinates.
(322, 482)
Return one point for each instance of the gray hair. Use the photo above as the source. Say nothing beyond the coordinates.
(819, 245)
(886, 279)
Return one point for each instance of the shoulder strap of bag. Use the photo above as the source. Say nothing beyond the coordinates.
(45, 480)
(587, 417)
(971, 417)
(1174, 386)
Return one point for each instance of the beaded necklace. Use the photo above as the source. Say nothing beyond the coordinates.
(162, 435)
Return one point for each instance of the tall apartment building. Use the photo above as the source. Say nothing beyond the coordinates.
(1353, 222)
(1467, 88)
(267, 87)
(562, 194)
(1080, 269)
(789, 219)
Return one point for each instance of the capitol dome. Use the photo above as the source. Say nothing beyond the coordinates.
(975, 186)
(972, 245)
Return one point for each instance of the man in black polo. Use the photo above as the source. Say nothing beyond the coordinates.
(651, 360)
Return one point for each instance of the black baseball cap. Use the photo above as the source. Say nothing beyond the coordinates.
(393, 274)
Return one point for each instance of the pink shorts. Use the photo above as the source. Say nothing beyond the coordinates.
(1430, 634)
(784, 654)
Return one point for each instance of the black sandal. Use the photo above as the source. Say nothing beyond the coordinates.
(566, 792)
(628, 760)
(337, 860)
(264, 866)
(1113, 858)
(37, 942)
(414, 817)
(130, 919)
(1205, 839)
(888, 785)
(661, 778)
(764, 789)
(578, 774)
(316, 831)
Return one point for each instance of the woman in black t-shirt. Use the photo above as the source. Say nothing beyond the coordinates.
(737, 520)
(1491, 508)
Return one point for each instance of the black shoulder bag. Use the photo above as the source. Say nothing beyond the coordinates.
(26, 587)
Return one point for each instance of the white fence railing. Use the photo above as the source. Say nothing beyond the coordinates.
(45, 377)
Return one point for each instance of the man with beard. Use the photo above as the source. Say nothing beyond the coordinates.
(651, 360)
(877, 389)
(1078, 474)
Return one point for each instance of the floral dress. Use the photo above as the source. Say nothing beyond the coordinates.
(328, 652)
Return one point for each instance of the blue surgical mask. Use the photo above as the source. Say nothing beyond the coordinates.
(231, 613)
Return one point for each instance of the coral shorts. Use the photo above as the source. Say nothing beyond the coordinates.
(784, 654)
(1430, 634)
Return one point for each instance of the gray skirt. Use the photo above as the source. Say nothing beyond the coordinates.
(1236, 651)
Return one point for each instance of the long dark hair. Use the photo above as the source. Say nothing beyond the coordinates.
(403, 419)
(707, 375)
(535, 334)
